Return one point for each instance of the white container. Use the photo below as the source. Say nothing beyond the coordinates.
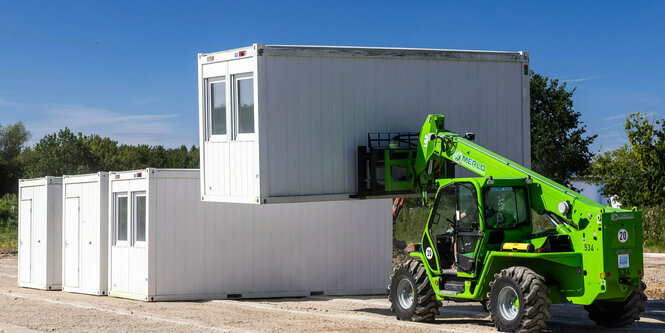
(194, 250)
(312, 106)
(85, 233)
(40, 233)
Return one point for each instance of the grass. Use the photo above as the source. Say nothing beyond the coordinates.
(9, 239)
(411, 221)
(9, 222)
(653, 226)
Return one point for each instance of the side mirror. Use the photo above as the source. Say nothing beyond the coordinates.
(469, 136)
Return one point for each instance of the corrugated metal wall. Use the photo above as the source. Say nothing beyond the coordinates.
(40, 233)
(210, 250)
(231, 168)
(320, 108)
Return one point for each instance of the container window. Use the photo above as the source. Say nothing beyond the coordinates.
(218, 103)
(121, 230)
(245, 104)
(140, 216)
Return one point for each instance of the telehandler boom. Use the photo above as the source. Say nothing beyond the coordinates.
(512, 239)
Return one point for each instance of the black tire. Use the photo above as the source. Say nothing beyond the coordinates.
(424, 306)
(532, 294)
(483, 303)
(617, 314)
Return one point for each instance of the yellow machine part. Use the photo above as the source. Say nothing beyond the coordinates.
(517, 247)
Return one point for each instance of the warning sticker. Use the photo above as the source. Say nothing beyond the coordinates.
(623, 261)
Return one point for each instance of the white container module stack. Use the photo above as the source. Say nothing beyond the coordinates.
(85, 233)
(282, 123)
(166, 244)
(40, 233)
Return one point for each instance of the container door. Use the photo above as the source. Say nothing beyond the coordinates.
(89, 255)
(72, 245)
(138, 251)
(24, 249)
(39, 253)
(120, 245)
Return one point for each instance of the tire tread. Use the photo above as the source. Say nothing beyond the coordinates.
(536, 298)
(427, 306)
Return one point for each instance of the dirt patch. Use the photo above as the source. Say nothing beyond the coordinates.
(4, 253)
(654, 277)
(399, 256)
(655, 291)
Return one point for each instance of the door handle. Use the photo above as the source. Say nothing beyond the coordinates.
(90, 243)
(39, 241)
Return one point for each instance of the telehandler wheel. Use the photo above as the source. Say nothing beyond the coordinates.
(519, 300)
(616, 314)
(410, 293)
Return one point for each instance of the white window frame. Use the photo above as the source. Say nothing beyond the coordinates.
(236, 109)
(208, 110)
(116, 241)
(134, 212)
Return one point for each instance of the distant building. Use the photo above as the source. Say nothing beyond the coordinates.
(592, 192)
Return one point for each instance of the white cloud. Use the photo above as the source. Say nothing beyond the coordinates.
(624, 115)
(617, 116)
(45, 118)
(584, 78)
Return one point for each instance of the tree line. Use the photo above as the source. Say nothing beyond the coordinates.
(65, 153)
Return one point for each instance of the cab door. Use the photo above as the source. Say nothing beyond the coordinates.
(467, 227)
(438, 240)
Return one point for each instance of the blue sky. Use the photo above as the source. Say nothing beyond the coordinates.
(127, 69)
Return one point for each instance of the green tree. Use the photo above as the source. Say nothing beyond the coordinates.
(60, 154)
(635, 173)
(68, 153)
(193, 158)
(559, 146)
(13, 139)
(104, 152)
(177, 157)
(181, 158)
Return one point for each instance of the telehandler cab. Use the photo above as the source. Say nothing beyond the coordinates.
(511, 239)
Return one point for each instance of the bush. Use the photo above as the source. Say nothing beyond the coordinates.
(9, 222)
(9, 211)
(653, 226)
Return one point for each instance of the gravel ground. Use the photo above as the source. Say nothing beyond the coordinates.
(654, 277)
(26, 310)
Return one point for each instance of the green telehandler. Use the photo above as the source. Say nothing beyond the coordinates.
(511, 239)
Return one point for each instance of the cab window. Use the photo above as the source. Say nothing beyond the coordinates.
(467, 207)
(506, 207)
(444, 215)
